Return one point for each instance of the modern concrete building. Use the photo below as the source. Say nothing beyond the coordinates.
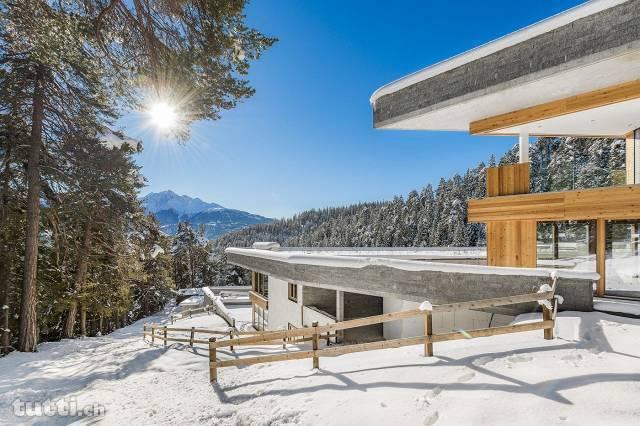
(293, 287)
(574, 74)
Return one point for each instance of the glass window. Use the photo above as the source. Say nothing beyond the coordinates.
(293, 292)
(567, 245)
(622, 270)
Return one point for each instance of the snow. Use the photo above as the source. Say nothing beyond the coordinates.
(630, 307)
(192, 301)
(115, 140)
(426, 306)
(156, 251)
(590, 374)
(338, 261)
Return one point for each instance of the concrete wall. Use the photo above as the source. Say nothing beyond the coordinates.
(442, 322)
(610, 29)
(309, 315)
(322, 298)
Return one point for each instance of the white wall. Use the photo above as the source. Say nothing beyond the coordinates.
(442, 322)
(311, 315)
(282, 310)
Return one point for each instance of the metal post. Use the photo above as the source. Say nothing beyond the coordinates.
(165, 336)
(339, 314)
(523, 144)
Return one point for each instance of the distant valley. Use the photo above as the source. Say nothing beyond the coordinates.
(170, 209)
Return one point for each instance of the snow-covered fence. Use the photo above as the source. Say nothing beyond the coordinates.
(188, 313)
(176, 334)
(546, 297)
(219, 308)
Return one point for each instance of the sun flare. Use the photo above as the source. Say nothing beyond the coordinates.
(163, 116)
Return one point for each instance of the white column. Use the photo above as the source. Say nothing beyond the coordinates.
(339, 305)
(524, 146)
(339, 313)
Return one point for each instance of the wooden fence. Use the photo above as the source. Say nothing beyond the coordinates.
(314, 332)
(175, 334)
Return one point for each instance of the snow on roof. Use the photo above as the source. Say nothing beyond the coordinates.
(340, 261)
(526, 33)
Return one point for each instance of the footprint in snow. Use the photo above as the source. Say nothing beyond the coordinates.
(572, 357)
(520, 358)
(466, 377)
(431, 419)
(483, 360)
(425, 400)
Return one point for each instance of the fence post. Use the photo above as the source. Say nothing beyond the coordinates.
(328, 336)
(153, 333)
(193, 330)
(546, 315)
(316, 338)
(144, 331)
(428, 331)
(189, 313)
(231, 338)
(165, 336)
(171, 319)
(213, 369)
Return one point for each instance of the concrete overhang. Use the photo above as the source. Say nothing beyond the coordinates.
(414, 280)
(588, 48)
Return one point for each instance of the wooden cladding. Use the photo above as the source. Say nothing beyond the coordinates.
(612, 203)
(508, 180)
(597, 98)
(258, 299)
(512, 243)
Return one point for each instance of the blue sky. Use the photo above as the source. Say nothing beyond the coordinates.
(305, 139)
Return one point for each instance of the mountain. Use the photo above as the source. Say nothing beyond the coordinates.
(170, 208)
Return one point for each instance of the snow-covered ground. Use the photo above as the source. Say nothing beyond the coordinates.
(589, 375)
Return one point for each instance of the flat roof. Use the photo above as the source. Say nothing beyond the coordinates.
(589, 47)
(363, 257)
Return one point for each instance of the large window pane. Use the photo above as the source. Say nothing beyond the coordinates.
(623, 262)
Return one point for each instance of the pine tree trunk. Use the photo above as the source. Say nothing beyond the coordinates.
(5, 256)
(28, 315)
(80, 277)
(83, 321)
(70, 322)
(101, 324)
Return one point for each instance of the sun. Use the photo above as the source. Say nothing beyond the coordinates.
(163, 116)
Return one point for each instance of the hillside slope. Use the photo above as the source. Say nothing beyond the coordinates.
(436, 216)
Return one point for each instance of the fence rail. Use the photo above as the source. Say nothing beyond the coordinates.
(315, 332)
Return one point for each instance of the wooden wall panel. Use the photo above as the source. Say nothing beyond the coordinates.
(597, 98)
(510, 242)
(612, 203)
(508, 180)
